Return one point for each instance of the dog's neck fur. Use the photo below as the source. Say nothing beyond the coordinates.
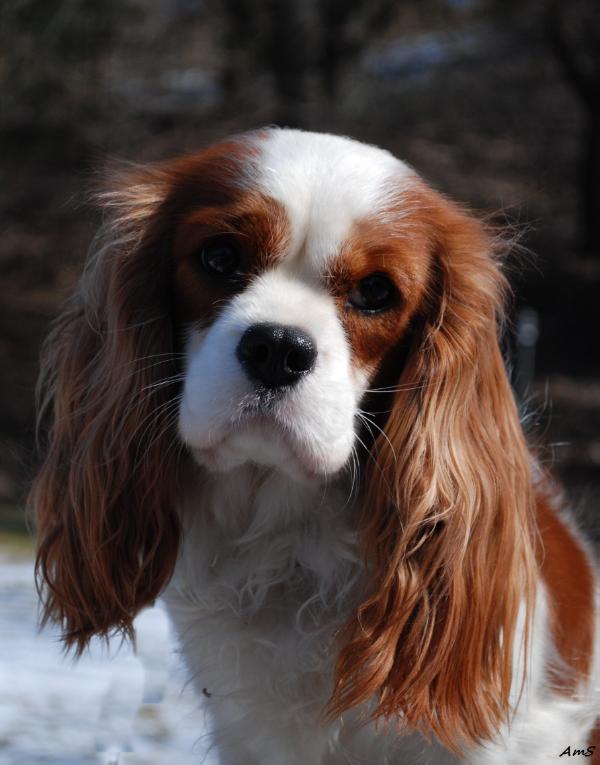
(250, 502)
(257, 529)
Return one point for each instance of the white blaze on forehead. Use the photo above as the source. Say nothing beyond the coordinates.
(326, 183)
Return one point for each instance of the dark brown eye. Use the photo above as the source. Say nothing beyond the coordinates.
(221, 258)
(373, 293)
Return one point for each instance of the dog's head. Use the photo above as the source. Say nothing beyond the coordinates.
(292, 284)
(286, 298)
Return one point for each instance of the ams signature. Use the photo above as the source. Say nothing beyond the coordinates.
(572, 751)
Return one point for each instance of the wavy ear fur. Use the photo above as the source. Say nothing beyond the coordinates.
(448, 508)
(108, 529)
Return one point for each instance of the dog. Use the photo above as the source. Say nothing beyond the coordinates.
(277, 398)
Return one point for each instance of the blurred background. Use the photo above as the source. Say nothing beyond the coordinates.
(495, 102)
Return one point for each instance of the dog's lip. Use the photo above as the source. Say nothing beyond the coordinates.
(268, 425)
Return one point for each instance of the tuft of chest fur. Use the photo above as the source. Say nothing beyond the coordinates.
(265, 579)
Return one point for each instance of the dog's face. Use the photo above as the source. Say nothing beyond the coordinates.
(291, 290)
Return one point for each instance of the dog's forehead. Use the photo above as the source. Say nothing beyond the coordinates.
(326, 184)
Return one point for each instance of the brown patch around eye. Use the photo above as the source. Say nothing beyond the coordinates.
(254, 225)
(400, 255)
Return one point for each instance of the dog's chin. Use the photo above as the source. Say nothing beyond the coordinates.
(263, 443)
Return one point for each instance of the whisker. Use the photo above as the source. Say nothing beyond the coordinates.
(363, 415)
(168, 411)
(374, 460)
(180, 377)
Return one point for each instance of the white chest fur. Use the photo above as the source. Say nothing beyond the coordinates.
(265, 578)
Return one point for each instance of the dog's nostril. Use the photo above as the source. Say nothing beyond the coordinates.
(274, 355)
(300, 360)
(260, 353)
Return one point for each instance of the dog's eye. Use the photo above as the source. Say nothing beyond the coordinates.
(221, 257)
(373, 293)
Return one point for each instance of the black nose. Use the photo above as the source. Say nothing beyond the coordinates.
(274, 355)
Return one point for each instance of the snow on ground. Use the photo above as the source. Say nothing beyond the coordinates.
(114, 708)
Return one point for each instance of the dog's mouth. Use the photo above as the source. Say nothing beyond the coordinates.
(260, 438)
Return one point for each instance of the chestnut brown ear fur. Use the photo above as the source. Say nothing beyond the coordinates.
(104, 496)
(448, 510)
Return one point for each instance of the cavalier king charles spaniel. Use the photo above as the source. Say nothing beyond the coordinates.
(277, 399)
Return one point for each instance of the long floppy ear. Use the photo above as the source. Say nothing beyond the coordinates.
(103, 498)
(448, 509)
